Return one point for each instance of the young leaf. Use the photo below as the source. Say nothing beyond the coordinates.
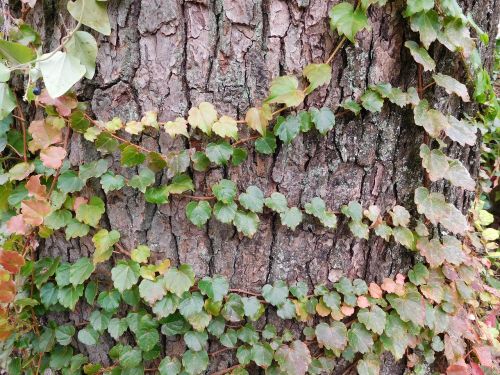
(203, 117)
(125, 275)
(252, 199)
(179, 280)
(92, 13)
(427, 24)
(225, 191)
(103, 242)
(323, 119)
(198, 212)
(347, 20)
(372, 101)
(226, 127)
(287, 129)
(90, 213)
(266, 145)
(285, 90)
(420, 55)
(317, 75)
(257, 120)
(246, 223)
(219, 153)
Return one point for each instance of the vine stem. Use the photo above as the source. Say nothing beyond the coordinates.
(225, 371)
(217, 352)
(241, 291)
(23, 126)
(339, 46)
(58, 172)
(245, 140)
(198, 197)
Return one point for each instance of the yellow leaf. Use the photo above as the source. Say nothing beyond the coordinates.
(257, 120)
(203, 117)
(226, 127)
(176, 127)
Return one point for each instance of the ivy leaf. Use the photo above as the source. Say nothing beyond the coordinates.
(225, 191)
(252, 307)
(198, 212)
(176, 127)
(117, 327)
(368, 366)
(317, 75)
(246, 223)
(215, 288)
(459, 176)
(360, 339)
(103, 242)
(157, 195)
(257, 120)
(372, 101)
(275, 294)
(323, 119)
(409, 306)
(169, 366)
(352, 106)
(125, 275)
(347, 20)
(291, 217)
(200, 161)
(287, 129)
(400, 216)
(452, 86)
(286, 310)
(53, 156)
(69, 295)
(88, 336)
(166, 306)
(131, 156)
(332, 337)
(60, 71)
(92, 13)
(427, 25)
(147, 339)
(277, 202)
(16, 53)
(373, 319)
(262, 355)
(84, 47)
(179, 280)
(80, 271)
(294, 359)
(416, 6)
(180, 184)
(140, 254)
(354, 210)
(69, 182)
(434, 162)
(64, 334)
(195, 362)
(418, 274)
(219, 153)
(111, 182)
(266, 145)
(75, 229)
(404, 236)
(252, 199)
(434, 122)
(93, 169)
(437, 210)
(226, 127)
(203, 117)
(461, 131)
(239, 156)
(90, 213)
(420, 55)
(285, 90)
(152, 291)
(196, 341)
(130, 358)
(225, 213)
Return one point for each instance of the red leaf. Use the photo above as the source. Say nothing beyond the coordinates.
(476, 370)
(11, 260)
(7, 291)
(458, 370)
(484, 355)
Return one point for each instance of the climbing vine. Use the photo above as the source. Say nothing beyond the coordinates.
(445, 306)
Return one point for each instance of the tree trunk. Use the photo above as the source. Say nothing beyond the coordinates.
(170, 55)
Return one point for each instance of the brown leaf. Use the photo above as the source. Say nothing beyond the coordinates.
(34, 211)
(43, 135)
(458, 370)
(35, 188)
(64, 104)
(7, 291)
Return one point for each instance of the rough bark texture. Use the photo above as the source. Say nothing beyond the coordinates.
(169, 55)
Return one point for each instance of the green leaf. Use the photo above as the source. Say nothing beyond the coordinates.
(433, 121)
(130, 358)
(225, 191)
(287, 129)
(291, 218)
(196, 341)
(277, 202)
(219, 153)
(275, 294)
(152, 291)
(317, 208)
(200, 161)
(239, 156)
(323, 119)
(145, 178)
(179, 280)
(215, 288)
(68, 296)
(333, 336)
(461, 131)
(352, 106)
(416, 6)
(147, 339)
(99, 320)
(285, 90)
(92, 13)
(181, 184)
(157, 195)
(69, 182)
(58, 219)
(262, 355)
(103, 242)
(16, 53)
(286, 310)
(80, 271)
(225, 213)
(246, 223)
(178, 162)
(452, 86)
(93, 169)
(317, 75)
(117, 327)
(373, 319)
(368, 366)
(195, 362)
(60, 71)
(420, 55)
(418, 274)
(83, 46)
(64, 334)
(90, 213)
(111, 182)
(252, 307)
(410, 306)
(372, 101)
(347, 20)
(131, 156)
(169, 366)
(360, 339)
(404, 236)
(88, 336)
(427, 24)
(125, 275)
(109, 300)
(198, 212)
(266, 145)
(435, 162)
(7, 102)
(140, 254)
(166, 306)
(252, 199)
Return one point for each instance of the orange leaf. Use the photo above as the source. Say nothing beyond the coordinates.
(35, 188)
(458, 370)
(34, 211)
(363, 302)
(53, 156)
(11, 260)
(375, 290)
(16, 225)
(43, 135)
(7, 291)
(64, 104)
(389, 285)
(4, 275)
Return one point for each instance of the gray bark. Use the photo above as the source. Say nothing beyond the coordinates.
(170, 55)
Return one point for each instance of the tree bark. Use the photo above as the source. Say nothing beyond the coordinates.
(169, 55)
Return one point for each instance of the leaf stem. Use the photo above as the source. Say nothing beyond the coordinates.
(341, 43)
